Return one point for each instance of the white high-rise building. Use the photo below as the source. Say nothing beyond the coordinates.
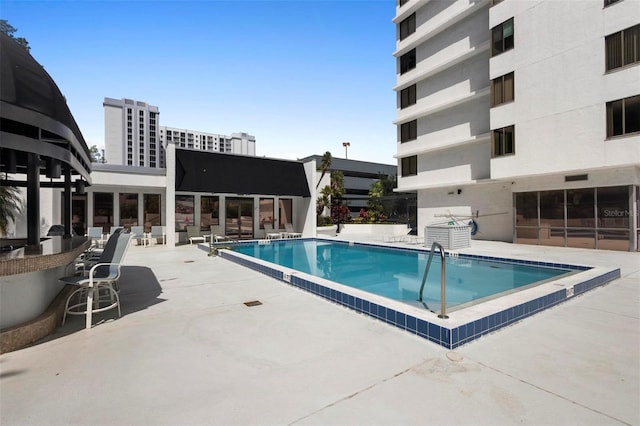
(524, 116)
(131, 133)
(237, 143)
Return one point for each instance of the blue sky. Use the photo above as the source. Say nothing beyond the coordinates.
(302, 76)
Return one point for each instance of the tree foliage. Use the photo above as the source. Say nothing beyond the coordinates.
(10, 206)
(325, 165)
(10, 30)
(96, 155)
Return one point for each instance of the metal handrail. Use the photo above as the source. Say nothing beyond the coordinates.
(443, 284)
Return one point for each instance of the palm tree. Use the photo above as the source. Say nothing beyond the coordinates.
(10, 206)
(325, 165)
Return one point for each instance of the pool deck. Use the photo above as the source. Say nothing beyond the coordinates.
(187, 351)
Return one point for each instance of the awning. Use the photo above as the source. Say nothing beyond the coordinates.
(212, 172)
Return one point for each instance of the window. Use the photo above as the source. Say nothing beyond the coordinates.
(502, 37)
(103, 210)
(502, 90)
(494, 2)
(623, 116)
(408, 96)
(285, 211)
(266, 211)
(503, 141)
(402, 2)
(209, 212)
(409, 166)
(622, 48)
(409, 131)
(184, 211)
(408, 61)
(152, 217)
(408, 26)
(128, 210)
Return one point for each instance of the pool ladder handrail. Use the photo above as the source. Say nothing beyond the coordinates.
(443, 280)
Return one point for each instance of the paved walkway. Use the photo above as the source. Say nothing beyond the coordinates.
(187, 351)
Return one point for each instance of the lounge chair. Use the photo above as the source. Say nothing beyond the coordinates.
(138, 235)
(97, 292)
(270, 233)
(95, 234)
(156, 233)
(290, 233)
(217, 234)
(193, 234)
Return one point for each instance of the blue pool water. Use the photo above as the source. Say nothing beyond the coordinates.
(397, 274)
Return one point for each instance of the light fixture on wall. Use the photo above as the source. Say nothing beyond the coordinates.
(53, 169)
(79, 184)
(9, 161)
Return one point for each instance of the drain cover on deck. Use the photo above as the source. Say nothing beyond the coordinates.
(253, 303)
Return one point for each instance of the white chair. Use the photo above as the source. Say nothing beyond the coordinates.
(138, 235)
(290, 232)
(193, 234)
(217, 234)
(270, 233)
(156, 233)
(98, 291)
(95, 234)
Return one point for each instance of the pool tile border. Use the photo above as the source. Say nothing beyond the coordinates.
(448, 337)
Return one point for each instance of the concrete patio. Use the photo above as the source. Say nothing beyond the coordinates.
(188, 351)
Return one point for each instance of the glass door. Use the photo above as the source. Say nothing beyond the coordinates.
(78, 213)
(239, 218)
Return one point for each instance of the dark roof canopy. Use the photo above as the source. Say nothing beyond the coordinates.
(34, 117)
(236, 174)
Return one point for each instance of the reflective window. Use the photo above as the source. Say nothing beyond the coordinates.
(502, 89)
(408, 61)
(408, 26)
(623, 116)
(209, 212)
(581, 208)
(409, 166)
(151, 211)
(128, 210)
(527, 209)
(184, 211)
(103, 210)
(409, 131)
(285, 211)
(502, 37)
(266, 212)
(622, 48)
(613, 207)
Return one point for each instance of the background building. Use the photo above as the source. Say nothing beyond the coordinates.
(524, 115)
(133, 136)
(131, 133)
(237, 143)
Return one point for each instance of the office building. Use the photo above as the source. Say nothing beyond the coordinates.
(131, 133)
(524, 116)
(237, 143)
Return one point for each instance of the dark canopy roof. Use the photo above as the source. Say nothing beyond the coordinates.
(34, 117)
(236, 174)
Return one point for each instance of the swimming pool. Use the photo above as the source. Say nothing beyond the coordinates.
(397, 274)
(465, 323)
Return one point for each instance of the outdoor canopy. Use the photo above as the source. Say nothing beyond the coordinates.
(237, 174)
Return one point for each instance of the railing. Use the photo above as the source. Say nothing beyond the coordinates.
(443, 283)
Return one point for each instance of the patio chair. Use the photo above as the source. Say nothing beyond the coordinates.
(156, 233)
(193, 234)
(138, 235)
(92, 255)
(217, 235)
(98, 291)
(290, 233)
(95, 234)
(270, 233)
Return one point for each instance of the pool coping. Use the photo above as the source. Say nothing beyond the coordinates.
(462, 326)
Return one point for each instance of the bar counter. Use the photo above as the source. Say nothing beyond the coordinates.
(30, 293)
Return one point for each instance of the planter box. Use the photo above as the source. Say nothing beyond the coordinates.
(376, 229)
(331, 230)
(451, 237)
